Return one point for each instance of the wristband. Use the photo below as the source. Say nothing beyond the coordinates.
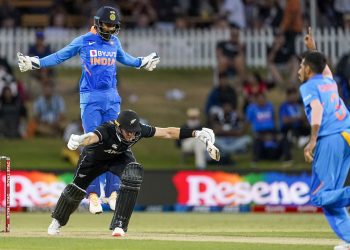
(186, 133)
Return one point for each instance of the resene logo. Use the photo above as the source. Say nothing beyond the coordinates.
(99, 57)
(230, 189)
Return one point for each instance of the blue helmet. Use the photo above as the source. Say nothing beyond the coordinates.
(107, 15)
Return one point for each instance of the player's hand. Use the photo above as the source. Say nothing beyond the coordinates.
(26, 63)
(150, 62)
(76, 140)
(309, 40)
(308, 151)
(207, 136)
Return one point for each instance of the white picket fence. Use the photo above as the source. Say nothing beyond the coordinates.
(193, 48)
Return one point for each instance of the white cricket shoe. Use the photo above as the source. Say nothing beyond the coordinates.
(94, 204)
(118, 232)
(54, 227)
(343, 246)
(112, 200)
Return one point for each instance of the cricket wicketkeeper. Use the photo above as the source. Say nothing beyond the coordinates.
(108, 148)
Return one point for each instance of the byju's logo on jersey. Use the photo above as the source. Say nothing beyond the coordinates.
(93, 53)
(100, 57)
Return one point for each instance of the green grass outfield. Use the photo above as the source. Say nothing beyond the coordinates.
(174, 231)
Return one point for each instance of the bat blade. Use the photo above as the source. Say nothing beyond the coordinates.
(213, 151)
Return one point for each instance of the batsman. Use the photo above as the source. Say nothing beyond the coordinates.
(108, 148)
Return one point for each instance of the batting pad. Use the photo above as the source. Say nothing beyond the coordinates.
(131, 183)
(68, 202)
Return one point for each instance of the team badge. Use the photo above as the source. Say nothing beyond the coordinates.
(112, 16)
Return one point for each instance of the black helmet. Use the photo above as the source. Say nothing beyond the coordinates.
(129, 121)
(108, 15)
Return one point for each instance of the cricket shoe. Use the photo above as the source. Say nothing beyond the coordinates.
(343, 246)
(95, 205)
(54, 228)
(112, 200)
(118, 232)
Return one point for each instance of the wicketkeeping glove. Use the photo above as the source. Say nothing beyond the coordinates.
(206, 135)
(76, 140)
(26, 63)
(150, 62)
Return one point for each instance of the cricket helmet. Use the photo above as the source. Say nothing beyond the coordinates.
(129, 121)
(110, 16)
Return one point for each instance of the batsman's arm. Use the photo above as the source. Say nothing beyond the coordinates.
(205, 135)
(82, 140)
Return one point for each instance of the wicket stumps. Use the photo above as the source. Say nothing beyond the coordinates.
(6, 189)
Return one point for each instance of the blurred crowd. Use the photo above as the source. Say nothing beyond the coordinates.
(238, 107)
(174, 13)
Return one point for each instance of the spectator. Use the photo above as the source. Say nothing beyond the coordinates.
(9, 15)
(144, 13)
(221, 94)
(327, 16)
(167, 11)
(229, 130)
(253, 85)
(49, 113)
(7, 80)
(233, 10)
(39, 48)
(291, 122)
(230, 55)
(342, 9)
(260, 115)
(282, 59)
(13, 115)
(191, 145)
(270, 14)
(292, 23)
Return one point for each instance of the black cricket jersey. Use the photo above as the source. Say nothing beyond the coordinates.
(110, 144)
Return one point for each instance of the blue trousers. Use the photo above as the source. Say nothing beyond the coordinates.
(329, 179)
(97, 108)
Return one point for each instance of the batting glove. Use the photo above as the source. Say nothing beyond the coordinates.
(206, 135)
(26, 63)
(77, 140)
(150, 62)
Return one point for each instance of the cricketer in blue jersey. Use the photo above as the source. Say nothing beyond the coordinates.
(329, 145)
(99, 50)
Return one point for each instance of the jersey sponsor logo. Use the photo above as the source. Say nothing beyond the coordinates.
(99, 57)
(111, 151)
(328, 87)
(91, 43)
(93, 53)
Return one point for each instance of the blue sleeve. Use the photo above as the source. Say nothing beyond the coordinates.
(125, 58)
(63, 54)
(308, 93)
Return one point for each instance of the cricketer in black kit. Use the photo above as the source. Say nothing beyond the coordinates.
(108, 148)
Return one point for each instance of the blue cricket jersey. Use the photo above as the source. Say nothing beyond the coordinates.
(98, 62)
(335, 117)
(261, 117)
